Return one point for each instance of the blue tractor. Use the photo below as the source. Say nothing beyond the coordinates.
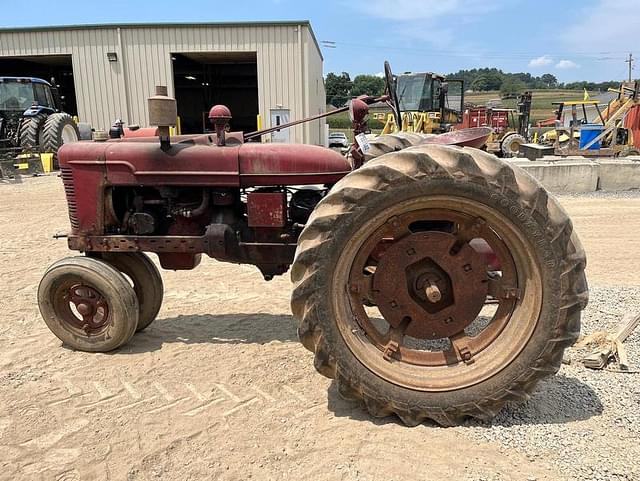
(32, 120)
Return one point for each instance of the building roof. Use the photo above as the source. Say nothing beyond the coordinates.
(88, 26)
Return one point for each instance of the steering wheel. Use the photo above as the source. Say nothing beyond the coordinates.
(393, 94)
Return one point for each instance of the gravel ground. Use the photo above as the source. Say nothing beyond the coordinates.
(585, 422)
(219, 387)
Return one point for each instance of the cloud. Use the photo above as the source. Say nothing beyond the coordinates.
(540, 61)
(566, 64)
(379, 74)
(607, 25)
(435, 22)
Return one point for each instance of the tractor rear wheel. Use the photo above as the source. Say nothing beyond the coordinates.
(438, 282)
(88, 304)
(59, 129)
(31, 131)
(383, 144)
(510, 145)
(146, 280)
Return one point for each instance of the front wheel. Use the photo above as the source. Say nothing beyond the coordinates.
(438, 282)
(145, 279)
(88, 304)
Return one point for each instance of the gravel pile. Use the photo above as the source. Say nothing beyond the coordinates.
(585, 422)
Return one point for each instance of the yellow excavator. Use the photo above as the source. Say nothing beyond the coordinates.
(426, 102)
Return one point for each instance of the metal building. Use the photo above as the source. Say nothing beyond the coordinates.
(105, 72)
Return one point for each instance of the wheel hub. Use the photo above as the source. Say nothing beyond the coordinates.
(90, 305)
(431, 284)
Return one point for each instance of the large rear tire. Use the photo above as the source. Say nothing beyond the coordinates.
(58, 129)
(383, 144)
(408, 370)
(31, 131)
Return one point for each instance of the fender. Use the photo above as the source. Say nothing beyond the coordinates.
(37, 109)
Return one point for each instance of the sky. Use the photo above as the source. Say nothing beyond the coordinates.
(573, 40)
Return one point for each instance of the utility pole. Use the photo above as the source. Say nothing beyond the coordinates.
(630, 62)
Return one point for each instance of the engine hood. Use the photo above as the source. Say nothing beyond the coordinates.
(278, 164)
(198, 161)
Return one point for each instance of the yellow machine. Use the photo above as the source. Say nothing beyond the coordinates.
(428, 103)
(612, 138)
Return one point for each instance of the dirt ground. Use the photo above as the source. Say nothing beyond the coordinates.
(218, 387)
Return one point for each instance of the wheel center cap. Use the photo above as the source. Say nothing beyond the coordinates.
(84, 309)
(426, 277)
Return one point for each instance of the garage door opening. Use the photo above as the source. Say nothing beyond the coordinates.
(46, 67)
(202, 80)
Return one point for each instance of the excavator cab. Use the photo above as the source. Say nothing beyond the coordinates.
(428, 102)
(429, 92)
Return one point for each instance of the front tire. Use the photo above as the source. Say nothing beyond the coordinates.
(399, 363)
(146, 279)
(88, 304)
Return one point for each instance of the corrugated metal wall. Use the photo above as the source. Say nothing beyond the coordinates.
(289, 65)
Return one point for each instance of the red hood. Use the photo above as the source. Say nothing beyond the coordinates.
(198, 161)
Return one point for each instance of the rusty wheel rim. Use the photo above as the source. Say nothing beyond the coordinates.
(454, 232)
(81, 308)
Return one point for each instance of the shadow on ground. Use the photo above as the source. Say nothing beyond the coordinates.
(556, 400)
(213, 329)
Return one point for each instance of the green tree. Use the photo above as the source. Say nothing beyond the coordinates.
(494, 80)
(338, 88)
(512, 87)
(480, 84)
(549, 80)
(367, 85)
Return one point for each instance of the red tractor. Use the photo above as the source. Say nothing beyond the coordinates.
(430, 281)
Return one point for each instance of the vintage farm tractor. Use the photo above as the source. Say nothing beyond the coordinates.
(430, 281)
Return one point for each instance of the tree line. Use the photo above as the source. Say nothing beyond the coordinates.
(340, 88)
(485, 79)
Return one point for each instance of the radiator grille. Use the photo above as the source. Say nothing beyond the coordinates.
(69, 190)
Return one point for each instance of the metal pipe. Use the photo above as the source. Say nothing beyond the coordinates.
(258, 133)
(188, 213)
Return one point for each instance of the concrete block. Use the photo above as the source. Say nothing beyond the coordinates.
(564, 175)
(618, 174)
